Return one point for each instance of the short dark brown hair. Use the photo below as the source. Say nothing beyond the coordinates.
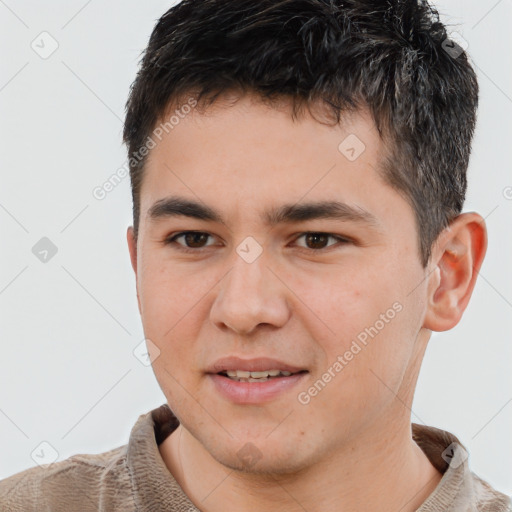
(391, 57)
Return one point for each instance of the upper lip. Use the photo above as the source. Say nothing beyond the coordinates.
(251, 365)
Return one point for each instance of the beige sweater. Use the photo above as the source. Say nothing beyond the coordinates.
(134, 478)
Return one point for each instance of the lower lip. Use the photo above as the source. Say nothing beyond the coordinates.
(254, 392)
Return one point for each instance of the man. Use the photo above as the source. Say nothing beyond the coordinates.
(298, 174)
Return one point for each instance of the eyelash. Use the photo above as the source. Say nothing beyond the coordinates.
(172, 240)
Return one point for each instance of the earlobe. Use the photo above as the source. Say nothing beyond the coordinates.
(457, 258)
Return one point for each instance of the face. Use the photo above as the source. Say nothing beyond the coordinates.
(341, 296)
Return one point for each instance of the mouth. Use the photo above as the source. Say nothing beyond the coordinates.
(254, 381)
(243, 387)
(260, 376)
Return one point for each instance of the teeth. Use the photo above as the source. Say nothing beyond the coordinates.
(255, 376)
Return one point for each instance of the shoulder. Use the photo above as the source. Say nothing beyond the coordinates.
(78, 483)
(460, 488)
(487, 498)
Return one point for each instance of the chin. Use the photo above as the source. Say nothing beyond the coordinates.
(258, 456)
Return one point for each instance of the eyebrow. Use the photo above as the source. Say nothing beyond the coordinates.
(175, 206)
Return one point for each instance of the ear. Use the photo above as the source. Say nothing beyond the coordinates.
(132, 247)
(456, 259)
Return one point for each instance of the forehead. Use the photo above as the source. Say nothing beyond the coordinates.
(236, 121)
(245, 155)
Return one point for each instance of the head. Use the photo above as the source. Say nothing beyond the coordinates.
(258, 112)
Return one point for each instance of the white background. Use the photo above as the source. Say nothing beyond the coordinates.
(68, 327)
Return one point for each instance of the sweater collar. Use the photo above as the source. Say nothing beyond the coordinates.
(156, 489)
(154, 486)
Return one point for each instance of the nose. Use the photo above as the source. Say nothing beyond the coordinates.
(249, 295)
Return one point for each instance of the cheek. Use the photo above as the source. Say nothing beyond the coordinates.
(168, 295)
(167, 314)
(366, 330)
(345, 304)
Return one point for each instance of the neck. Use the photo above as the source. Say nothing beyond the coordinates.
(378, 471)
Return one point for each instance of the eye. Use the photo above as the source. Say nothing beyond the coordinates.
(195, 238)
(318, 240)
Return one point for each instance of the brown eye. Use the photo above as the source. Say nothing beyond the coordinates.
(316, 241)
(193, 239)
(196, 240)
